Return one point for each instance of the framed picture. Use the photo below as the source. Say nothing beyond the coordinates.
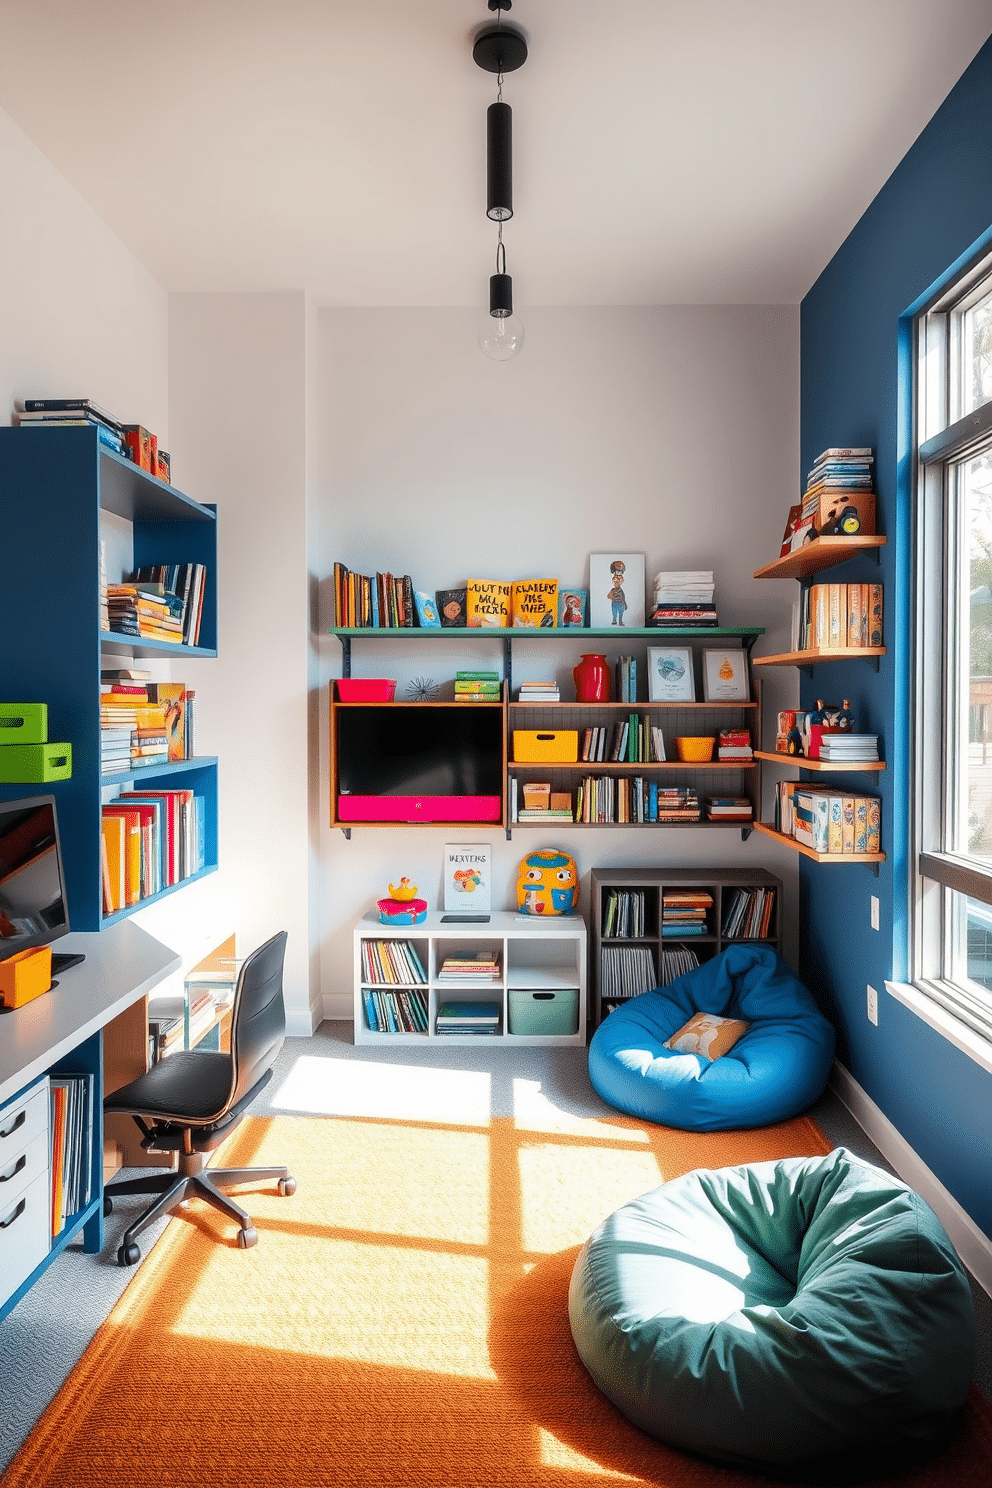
(724, 676)
(616, 590)
(573, 607)
(670, 675)
(468, 878)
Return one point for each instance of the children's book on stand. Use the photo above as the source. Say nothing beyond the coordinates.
(534, 604)
(468, 880)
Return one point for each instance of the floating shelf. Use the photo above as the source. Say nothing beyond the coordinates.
(629, 707)
(811, 658)
(592, 767)
(821, 553)
(809, 852)
(832, 766)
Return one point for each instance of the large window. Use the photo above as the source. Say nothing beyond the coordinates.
(952, 908)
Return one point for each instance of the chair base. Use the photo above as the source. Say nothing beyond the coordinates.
(193, 1180)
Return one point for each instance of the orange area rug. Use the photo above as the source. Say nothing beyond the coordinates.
(402, 1321)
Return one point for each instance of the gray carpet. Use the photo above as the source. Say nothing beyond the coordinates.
(46, 1334)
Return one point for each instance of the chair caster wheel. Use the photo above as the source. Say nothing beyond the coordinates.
(129, 1255)
(108, 1205)
(287, 1186)
(248, 1237)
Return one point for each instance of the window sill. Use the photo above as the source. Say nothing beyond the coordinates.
(943, 1022)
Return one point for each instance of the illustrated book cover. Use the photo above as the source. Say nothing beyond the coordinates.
(468, 878)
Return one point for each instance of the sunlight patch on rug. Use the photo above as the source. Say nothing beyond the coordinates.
(353, 1087)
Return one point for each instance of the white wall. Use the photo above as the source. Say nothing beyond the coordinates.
(80, 317)
(237, 390)
(672, 430)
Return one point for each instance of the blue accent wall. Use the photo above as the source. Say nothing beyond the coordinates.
(934, 210)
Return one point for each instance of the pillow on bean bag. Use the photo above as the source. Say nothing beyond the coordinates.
(777, 1315)
(776, 1069)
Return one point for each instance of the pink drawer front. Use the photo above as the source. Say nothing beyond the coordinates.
(418, 808)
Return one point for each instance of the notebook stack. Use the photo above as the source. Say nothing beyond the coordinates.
(683, 912)
(539, 692)
(477, 966)
(848, 749)
(683, 599)
(467, 1017)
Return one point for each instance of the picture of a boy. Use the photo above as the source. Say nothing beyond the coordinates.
(616, 596)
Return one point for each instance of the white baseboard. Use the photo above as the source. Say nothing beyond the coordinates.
(339, 1006)
(972, 1244)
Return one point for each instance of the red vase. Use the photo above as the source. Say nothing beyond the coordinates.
(592, 680)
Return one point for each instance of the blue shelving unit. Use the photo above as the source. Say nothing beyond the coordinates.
(55, 485)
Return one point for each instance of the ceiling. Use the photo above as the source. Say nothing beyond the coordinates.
(665, 153)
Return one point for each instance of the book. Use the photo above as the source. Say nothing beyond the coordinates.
(112, 829)
(172, 697)
(533, 604)
(67, 405)
(573, 607)
(487, 604)
(467, 878)
(451, 606)
(427, 612)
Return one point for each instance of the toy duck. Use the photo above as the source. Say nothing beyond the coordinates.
(403, 890)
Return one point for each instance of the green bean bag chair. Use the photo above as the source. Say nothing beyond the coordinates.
(778, 1315)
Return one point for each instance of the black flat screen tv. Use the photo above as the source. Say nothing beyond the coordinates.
(33, 909)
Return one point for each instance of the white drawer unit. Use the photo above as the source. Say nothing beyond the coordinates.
(25, 1201)
(21, 1120)
(25, 1233)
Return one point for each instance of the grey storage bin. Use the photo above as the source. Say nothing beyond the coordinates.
(544, 1013)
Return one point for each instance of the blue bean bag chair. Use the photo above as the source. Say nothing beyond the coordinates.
(783, 1316)
(777, 1069)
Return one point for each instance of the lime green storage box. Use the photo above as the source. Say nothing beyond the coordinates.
(32, 764)
(23, 723)
(544, 1012)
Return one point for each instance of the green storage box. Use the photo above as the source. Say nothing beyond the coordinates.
(32, 764)
(23, 723)
(540, 1012)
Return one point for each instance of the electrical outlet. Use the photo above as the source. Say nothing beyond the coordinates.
(872, 1005)
(874, 912)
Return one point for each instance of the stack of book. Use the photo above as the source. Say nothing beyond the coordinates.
(185, 582)
(840, 470)
(676, 961)
(48, 413)
(549, 806)
(748, 914)
(150, 841)
(683, 912)
(395, 1012)
(729, 809)
(633, 740)
(683, 599)
(625, 971)
(71, 1129)
(166, 1033)
(539, 692)
(146, 612)
(467, 1017)
(201, 1014)
(133, 730)
(623, 914)
(828, 821)
(631, 799)
(392, 961)
(734, 744)
(849, 749)
(834, 615)
(104, 611)
(470, 966)
(381, 601)
(626, 672)
(477, 687)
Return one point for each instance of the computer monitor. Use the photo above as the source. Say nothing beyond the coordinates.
(33, 907)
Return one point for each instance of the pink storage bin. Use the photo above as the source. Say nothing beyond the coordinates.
(366, 690)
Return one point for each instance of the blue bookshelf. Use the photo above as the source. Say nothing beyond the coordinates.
(56, 486)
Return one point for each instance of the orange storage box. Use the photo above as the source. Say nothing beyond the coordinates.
(25, 976)
(545, 746)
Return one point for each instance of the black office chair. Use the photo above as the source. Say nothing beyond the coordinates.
(194, 1100)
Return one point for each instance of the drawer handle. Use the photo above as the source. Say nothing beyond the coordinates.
(20, 1164)
(545, 738)
(19, 1120)
(542, 996)
(5, 1224)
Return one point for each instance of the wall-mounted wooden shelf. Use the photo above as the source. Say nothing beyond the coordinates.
(810, 657)
(821, 553)
(810, 852)
(828, 766)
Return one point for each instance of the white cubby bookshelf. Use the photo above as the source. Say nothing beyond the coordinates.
(535, 955)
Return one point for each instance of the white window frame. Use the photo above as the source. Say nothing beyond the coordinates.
(960, 1010)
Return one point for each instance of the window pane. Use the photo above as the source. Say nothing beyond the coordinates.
(970, 804)
(977, 349)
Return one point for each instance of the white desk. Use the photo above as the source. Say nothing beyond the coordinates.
(65, 1027)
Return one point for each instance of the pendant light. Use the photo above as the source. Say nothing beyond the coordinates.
(500, 49)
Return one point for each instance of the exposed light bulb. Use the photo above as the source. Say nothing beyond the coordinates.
(501, 336)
